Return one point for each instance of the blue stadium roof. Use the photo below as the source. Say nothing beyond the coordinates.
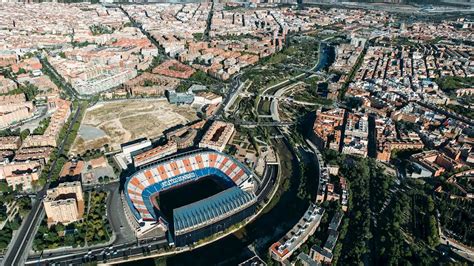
(220, 205)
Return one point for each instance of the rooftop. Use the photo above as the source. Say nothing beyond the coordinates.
(221, 205)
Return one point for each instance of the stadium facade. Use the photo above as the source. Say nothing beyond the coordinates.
(199, 219)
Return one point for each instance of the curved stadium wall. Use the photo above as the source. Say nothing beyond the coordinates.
(201, 218)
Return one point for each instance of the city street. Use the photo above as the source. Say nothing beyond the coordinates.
(17, 249)
(202, 133)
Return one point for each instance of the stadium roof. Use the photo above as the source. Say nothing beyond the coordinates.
(221, 205)
(164, 174)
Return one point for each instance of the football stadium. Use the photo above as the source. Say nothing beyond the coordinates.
(202, 171)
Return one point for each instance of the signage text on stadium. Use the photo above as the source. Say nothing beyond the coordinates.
(177, 180)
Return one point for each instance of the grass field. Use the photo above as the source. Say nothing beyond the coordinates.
(126, 120)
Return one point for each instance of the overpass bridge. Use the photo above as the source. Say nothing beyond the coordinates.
(262, 123)
(308, 71)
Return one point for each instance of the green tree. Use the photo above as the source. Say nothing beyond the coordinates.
(4, 187)
(21, 71)
(25, 133)
(59, 228)
(433, 238)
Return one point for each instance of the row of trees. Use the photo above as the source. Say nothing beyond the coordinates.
(350, 76)
(7, 231)
(43, 125)
(307, 188)
(61, 158)
(96, 220)
(462, 110)
(92, 154)
(16, 132)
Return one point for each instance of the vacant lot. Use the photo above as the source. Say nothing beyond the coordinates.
(114, 123)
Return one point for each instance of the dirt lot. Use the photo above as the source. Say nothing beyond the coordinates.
(114, 123)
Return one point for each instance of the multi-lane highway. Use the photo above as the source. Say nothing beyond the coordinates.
(104, 254)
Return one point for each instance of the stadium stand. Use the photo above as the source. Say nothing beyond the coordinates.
(142, 187)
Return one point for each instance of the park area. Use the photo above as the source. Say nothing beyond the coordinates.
(113, 123)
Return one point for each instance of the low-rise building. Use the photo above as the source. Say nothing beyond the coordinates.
(6, 156)
(7, 57)
(128, 149)
(6, 85)
(154, 154)
(185, 136)
(321, 255)
(40, 154)
(306, 226)
(134, 146)
(356, 135)
(306, 260)
(98, 162)
(14, 108)
(72, 169)
(325, 255)
(186, 139)
(384, 150)
(217, 136)
(179, 97)
(435, 162)
(327, 128)
(61, 110)
(336, 221)
(20, 174)
(344, 193)
(150, 84)
(330, 194)
(10, 143)
(203, 98)
(96, 170)
(331, 241)
(323, 180)
(175, 69)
